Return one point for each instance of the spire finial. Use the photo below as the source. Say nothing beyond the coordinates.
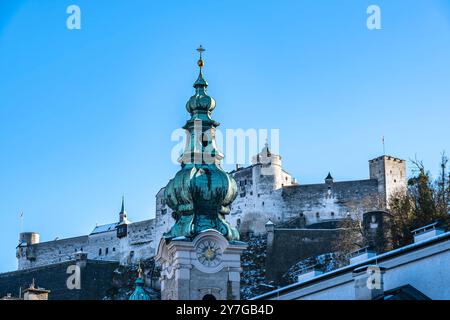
(139, 270)
(123, 204)
(200, 62)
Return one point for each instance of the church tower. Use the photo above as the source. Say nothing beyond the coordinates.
(200, 254)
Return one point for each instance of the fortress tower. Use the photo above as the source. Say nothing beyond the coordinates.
(391, 175)
(25, 252)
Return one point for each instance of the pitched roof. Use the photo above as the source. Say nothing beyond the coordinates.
(105, 228)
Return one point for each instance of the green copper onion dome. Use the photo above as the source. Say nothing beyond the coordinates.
(200, 101)
(139, 292)
(201, 193)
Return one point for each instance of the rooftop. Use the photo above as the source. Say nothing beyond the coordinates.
(374, 260)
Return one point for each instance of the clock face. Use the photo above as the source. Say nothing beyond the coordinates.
(209, 253)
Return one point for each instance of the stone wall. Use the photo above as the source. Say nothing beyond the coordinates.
(140, 242)
(50, 252)
(318, 202)
(289, 246)
(96, 278)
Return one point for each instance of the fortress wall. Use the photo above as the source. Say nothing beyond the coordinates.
(140, 241)
(258, 200)
(107, 242)
(51, 252)
(96, 279)
(163, 218)
(329, 201)
(293, 245)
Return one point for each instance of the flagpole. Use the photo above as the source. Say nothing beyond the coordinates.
(21, 222)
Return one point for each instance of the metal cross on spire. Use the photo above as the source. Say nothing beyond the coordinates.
(200, 62)
(201, 50)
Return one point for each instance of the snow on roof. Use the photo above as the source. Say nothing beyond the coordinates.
(105, 228)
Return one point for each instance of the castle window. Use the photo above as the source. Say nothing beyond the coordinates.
(332, 214)
(163, 211)
(114, 249)
(317, 215)
(263, 203)
(81, 249)
(245, 181)
(395, 181)
(106, 251)
(100, 251)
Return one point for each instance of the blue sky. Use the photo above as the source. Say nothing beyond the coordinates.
(86, 115)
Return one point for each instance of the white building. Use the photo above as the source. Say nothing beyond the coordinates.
(415, 272)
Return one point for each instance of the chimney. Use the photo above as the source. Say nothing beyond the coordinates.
(238, 167)
(270, 228)
(361, 255)
(369, 284)
(427, 232)
(308, 274)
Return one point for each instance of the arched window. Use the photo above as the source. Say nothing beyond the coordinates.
(209, 297)
(100, 251)
(106, 251)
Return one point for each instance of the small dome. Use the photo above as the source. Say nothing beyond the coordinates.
(139, 293)
(200, 101)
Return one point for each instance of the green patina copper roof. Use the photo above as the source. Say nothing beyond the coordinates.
(201, 193)
(139, 293)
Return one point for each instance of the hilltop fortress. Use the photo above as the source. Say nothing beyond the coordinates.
(266, 192)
